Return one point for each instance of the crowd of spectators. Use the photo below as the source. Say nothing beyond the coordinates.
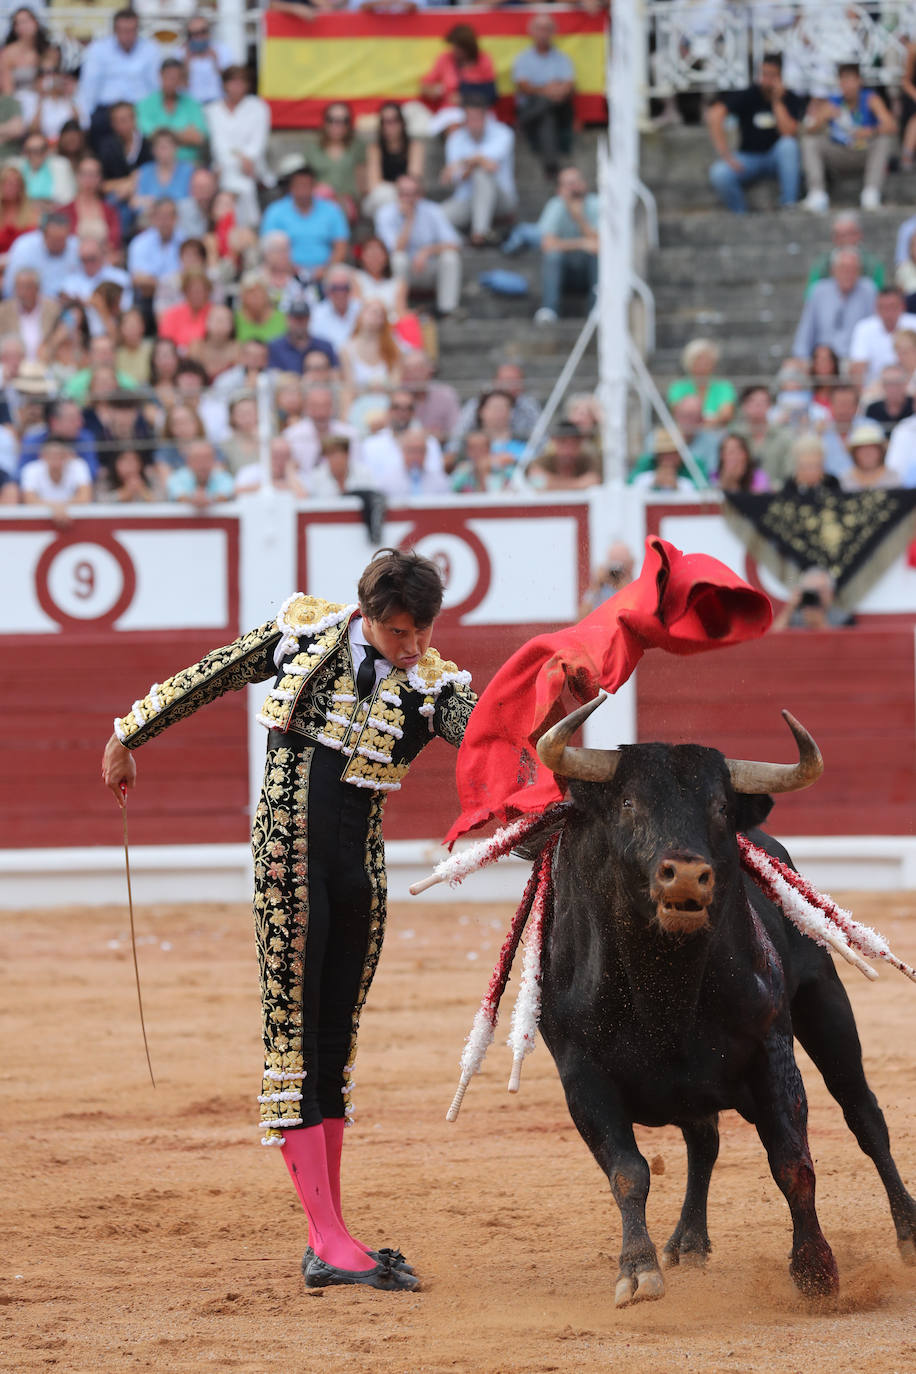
(159, 258)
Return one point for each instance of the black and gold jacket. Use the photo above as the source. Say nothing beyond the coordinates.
(314, 694)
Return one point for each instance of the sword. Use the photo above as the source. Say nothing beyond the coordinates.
(133, 936)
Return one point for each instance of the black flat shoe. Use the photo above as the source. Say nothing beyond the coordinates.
(390, 1256)
(318, 1274)
(394, 1258)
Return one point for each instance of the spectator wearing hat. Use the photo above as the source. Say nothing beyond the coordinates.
(50, 250)
(170, 107)
(768, 117)
(849, 131)
(568, 229)
(287, 352)
(27, 313)
(867, 448)
(317, 229)
(57, 478)
(423, 244)
(835, 306)
(479, 169)
(239, 126)
(665, 472)
(702, 443)
(568, 463)
(544, 79)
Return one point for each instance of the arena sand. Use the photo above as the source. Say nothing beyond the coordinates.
(149, 1230)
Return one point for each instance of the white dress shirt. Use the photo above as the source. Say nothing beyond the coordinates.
(30, 250)
(497, 145)
(109, 73)
(335, 329)
(873, 345)
(382, 456)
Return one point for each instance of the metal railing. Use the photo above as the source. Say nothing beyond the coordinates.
(703, 45)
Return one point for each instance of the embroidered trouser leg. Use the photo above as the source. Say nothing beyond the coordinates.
(319, 922)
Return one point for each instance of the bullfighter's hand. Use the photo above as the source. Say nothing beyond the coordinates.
(118, 766)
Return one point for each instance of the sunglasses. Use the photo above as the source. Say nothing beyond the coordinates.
(339, 286)
(337, 119)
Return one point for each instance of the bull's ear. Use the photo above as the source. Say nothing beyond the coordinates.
(751, 811)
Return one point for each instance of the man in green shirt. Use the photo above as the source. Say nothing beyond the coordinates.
(846, 233)
(171, 108)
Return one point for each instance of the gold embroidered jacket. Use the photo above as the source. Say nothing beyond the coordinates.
(314, 694)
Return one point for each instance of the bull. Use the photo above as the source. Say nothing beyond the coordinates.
(672, 990)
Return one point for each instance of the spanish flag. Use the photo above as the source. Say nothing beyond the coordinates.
(366, 59)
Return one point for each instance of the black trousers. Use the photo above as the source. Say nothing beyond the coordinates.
(340, 902)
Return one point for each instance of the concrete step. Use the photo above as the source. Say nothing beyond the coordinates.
(714, 228)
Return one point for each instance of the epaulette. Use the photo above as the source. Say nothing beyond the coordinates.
(308, 616)
(431, 674)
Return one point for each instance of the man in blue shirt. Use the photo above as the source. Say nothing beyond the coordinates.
(154, 254)
(51, 251)
(287, 354)
(121, 66)
(65, 423)
(850, 131)
(544, 79)
(569, 243)
(317, 229)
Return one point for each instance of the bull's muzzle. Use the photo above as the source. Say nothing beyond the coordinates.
(682, 890)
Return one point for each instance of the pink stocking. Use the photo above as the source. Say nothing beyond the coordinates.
(333, 1127)
(306, 1158)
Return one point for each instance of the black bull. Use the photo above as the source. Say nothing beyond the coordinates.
(672, 990)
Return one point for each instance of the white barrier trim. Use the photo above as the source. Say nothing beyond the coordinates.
(36, 878)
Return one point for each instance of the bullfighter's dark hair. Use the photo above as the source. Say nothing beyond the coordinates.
(397, 580)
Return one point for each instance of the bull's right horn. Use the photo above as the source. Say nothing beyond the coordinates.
(590, 765)
(753, 777)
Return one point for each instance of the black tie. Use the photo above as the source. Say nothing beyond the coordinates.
(365, 674)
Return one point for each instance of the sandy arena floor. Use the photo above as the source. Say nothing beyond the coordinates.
(149, 1230)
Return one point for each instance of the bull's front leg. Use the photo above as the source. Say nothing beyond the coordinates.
(781, 1121)
(690, 1241)
(598, 1113)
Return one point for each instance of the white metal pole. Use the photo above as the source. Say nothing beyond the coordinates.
(617, 171)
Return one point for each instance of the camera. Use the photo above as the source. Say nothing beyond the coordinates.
(810, 599)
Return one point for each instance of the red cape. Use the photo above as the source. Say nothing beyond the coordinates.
(683, 603)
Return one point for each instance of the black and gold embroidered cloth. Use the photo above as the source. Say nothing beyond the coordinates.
(845, 533)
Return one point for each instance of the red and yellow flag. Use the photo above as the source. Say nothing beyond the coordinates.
(366, 59)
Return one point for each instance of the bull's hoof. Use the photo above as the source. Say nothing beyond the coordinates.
(644, 1287)
(674, 1254)
(907, 1250)
(815, 1273)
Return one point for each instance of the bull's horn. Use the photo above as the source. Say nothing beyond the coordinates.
(591, 765)
(748, 776)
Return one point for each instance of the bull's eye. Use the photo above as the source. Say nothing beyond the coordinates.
(627, 804)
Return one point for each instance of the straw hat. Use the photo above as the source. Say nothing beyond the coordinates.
(33, 380)
(866, 432)
(662, 442)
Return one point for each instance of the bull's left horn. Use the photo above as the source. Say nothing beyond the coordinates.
(590, 765)
(751, 777)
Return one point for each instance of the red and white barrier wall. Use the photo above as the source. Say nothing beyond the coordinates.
(93, 614)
